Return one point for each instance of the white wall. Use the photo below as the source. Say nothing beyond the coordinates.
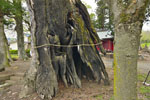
(13, 46)
(26, 39)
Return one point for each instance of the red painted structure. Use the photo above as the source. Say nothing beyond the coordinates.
(108, 44)
(107, 40)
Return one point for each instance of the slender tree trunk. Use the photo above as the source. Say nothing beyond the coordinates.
(20, 39)
(63, 23)
(3, 54)
(19, 29)
(128, 20)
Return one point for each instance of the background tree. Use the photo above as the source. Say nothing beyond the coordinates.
(104, 15)
(7, 48)
(3, 54)
(129, 16)
(8, 25)
(61, 30)
(94, 20)
(92, 15)
(4, 9)
(18, 12)
(101, 14)
(145, 38)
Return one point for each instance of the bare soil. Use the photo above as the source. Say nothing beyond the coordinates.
(90, 90)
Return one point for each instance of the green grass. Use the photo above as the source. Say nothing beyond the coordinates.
(145, 39)
(144, 44)
(112, 98)
(145, 35)
(141, 77)
(99, 97)
(142, 89)
(14, 56)
(145, 89)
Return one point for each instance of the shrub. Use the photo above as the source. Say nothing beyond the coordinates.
(13, 51)
(16, 51)
(28, 51)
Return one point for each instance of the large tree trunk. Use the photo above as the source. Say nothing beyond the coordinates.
(19, 29)
(128, 20)
(3, 54)
(7, 48)
(66, 24)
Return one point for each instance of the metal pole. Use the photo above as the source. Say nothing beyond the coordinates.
(146, 78)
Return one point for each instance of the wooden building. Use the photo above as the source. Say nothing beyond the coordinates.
(107, 40)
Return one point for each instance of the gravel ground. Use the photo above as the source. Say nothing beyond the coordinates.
(89, 91)
(143, 66)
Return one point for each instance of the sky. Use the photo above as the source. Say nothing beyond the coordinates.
(146, 26)
(92, 4)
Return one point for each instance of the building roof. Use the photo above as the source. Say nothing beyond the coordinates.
(11, 40)
(105, 35)
(27, 34)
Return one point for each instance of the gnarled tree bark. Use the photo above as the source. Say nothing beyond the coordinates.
(63, 23)
(7, 48)
(3, 54)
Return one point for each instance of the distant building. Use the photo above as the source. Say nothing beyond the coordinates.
(27, 41)
(13, 42)
(107, 40)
